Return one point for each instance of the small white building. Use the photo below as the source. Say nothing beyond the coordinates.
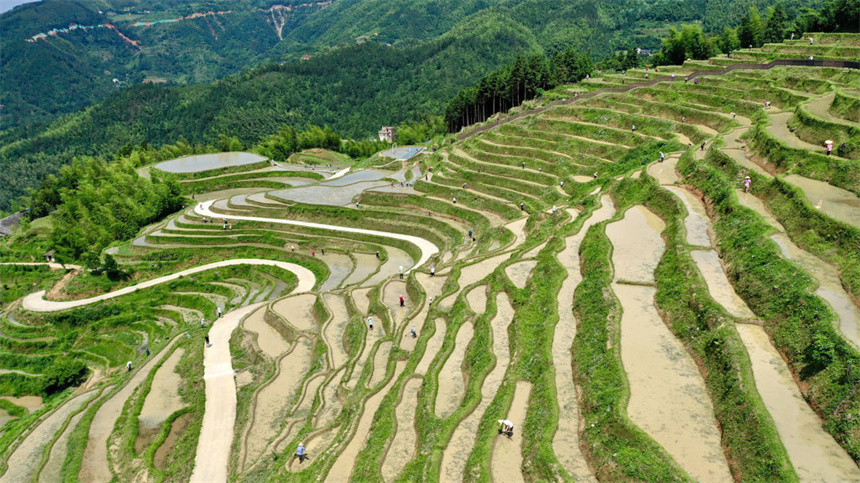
(387, 133)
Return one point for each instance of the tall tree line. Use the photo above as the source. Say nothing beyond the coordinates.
(518, 81)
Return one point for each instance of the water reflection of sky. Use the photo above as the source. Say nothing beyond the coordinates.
(205, 162)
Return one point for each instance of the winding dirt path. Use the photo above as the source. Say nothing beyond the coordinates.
(37, 303)
(216, 433)
(427, 249)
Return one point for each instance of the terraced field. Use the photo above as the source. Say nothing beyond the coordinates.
(634, 319)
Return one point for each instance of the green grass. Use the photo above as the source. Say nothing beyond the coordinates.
(800, 323)
(846, 106)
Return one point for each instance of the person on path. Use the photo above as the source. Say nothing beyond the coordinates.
(301, 452)
(561, 183)
(470, 233)
(734, 115)
(595, 175)
(401, 271)
(507, 427)
(128, 366)
(414, 334)
(634, 128)
(455, 200)
(553, 209)
(524, 165)
(313, 253)
(356, 204)
(203, 323)
(662, 156)
(522, 207)
(811, 41)
(432, 270)
(686, 79)
(696, 81)
(219, 311)
(747, 183)
(206, 338)
(464, 185)
(370, 322)
(292, 248)
(147, 351)
(829, 147)
(402, 301)
(703, 145)
(377, 254)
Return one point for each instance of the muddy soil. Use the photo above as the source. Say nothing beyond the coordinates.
(380, 364)
(342, 469)
(402, 448)
(334, 330)
(477, 298)
(637, 245)
(461, 443)
(365, 265)
(163, 398)
(519, 272)
(451, 380)
(814, 454)
(396, 258)
(340, 266)
(275, 399)
(507, 460)
(271, 342)
(718, 283)
(835, 202)
(166, 449)
(432, 348)
(696, 222)
(298, 311)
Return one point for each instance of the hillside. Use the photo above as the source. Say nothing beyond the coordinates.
(635, 307)
(372, 65)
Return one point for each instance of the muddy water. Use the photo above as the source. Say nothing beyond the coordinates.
(380, 364)
(335, 329)
(830, 286)
(518, 228)
(472, 274)
(316, 444)
(30, 403)
(371, 336)
(360, 297)
(668, 399)
(814, 454)
(519, 272)
(365, 264)
(391, 298)
(205, 162)
(637, 244)
(534, 251)
(451, 380)
(396, 258)
(271, 342)
(24, 460)
(477, 298)
(402, 448)
(664, 172)
(696, 222)
(331, 405)
(342, 469)
(566, 439)
(163, 398)
(582, 179)
(95, 465)
(238, 291)
(835, 202)
(759, 207)
(432, 348)
(718, 284)
(298, 311)
(303, 408)
(507, 460)
(52, 472)
(463, 439)
(340, 266)
(275, 399)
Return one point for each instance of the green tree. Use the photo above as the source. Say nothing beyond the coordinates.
(751, 30)
(728, 40)
(777, 24)
(63, 373)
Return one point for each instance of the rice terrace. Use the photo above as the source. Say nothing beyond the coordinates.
(644, 276)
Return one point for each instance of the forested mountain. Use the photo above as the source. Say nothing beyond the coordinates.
(373, 62)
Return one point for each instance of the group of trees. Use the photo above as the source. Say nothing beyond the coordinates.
(93, 203)
(520, 80)
(754, 30)
(288, 141)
